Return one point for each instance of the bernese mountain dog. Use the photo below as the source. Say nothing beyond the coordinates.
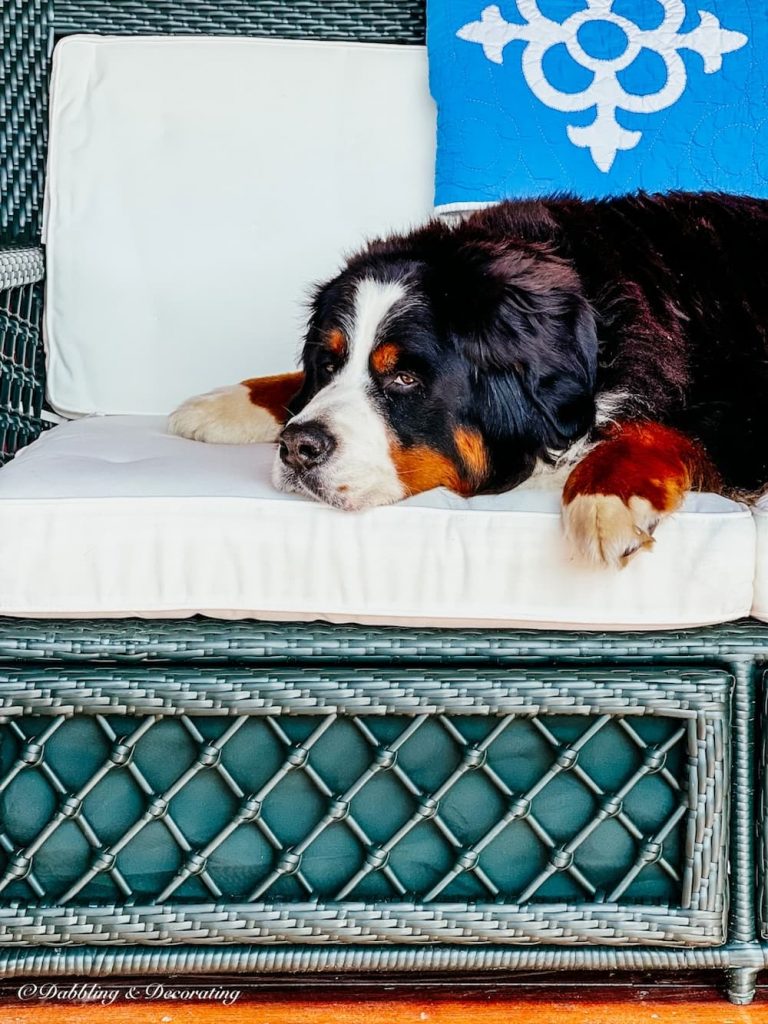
(621, 343)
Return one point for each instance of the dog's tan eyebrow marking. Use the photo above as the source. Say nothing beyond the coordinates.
(336, 341)
(384, 358)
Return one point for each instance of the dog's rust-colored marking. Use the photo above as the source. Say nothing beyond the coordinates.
(474, 454)
(616, 496)
(646, 460)
(336, 342)
(421, 468)
(384, 358)
(275, 393)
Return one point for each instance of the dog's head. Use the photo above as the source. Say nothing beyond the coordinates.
(439, 359)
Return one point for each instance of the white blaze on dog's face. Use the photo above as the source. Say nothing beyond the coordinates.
(338, 448)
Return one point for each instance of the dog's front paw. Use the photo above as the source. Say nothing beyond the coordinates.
(605, 530)
(616, 496)
(225, 416)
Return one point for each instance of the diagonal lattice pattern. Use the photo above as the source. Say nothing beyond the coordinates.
(513, 795)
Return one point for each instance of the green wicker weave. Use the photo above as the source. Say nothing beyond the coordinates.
(21, 355)
(26, 28)
(317, 798)
(26, 31)
(208, 797)
(377, 21)
(365, 806)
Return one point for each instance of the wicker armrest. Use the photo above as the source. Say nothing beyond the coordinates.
(22, 367)
(20, 265)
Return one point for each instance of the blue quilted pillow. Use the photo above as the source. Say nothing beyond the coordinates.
(598, 97)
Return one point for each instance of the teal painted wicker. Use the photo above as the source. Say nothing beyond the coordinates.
(104, 687)
(362, 806)
(21, 355)
(380, 21)
(25, 38)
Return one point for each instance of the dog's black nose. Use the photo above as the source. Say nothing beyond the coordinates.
(305, 446)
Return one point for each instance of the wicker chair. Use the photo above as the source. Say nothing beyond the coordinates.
(348, 799)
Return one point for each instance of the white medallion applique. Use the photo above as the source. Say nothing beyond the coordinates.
(605, 136)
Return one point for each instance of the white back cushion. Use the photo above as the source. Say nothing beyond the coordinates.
(197, 187)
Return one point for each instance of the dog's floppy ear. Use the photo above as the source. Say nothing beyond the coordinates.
(519, 313)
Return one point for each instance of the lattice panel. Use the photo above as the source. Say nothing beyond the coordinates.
(497, 809)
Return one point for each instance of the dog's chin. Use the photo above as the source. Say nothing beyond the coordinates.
(326, 496)
(341, 496)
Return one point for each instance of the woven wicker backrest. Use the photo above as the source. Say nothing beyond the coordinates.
(383, 21)
(26, 36)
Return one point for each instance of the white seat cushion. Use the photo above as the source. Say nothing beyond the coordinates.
(198, 187)
(119, 518)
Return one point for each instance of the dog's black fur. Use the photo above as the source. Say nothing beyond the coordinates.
(530, 316)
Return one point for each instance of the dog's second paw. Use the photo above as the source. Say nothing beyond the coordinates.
(607, 531)
(225, 416)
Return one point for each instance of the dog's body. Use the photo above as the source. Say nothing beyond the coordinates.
(625, 339)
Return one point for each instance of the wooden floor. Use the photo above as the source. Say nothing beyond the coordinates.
(647, 999)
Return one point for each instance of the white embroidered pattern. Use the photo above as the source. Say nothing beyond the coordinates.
(605, 136)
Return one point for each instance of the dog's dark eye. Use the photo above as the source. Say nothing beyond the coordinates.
(404, 382)
(328, 368)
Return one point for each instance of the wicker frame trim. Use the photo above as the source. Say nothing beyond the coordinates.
(318, 643)
(94, 961)
(359, 924)
(20, 265)
(207, 691)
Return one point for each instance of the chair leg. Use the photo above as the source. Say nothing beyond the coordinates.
(742, 985)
